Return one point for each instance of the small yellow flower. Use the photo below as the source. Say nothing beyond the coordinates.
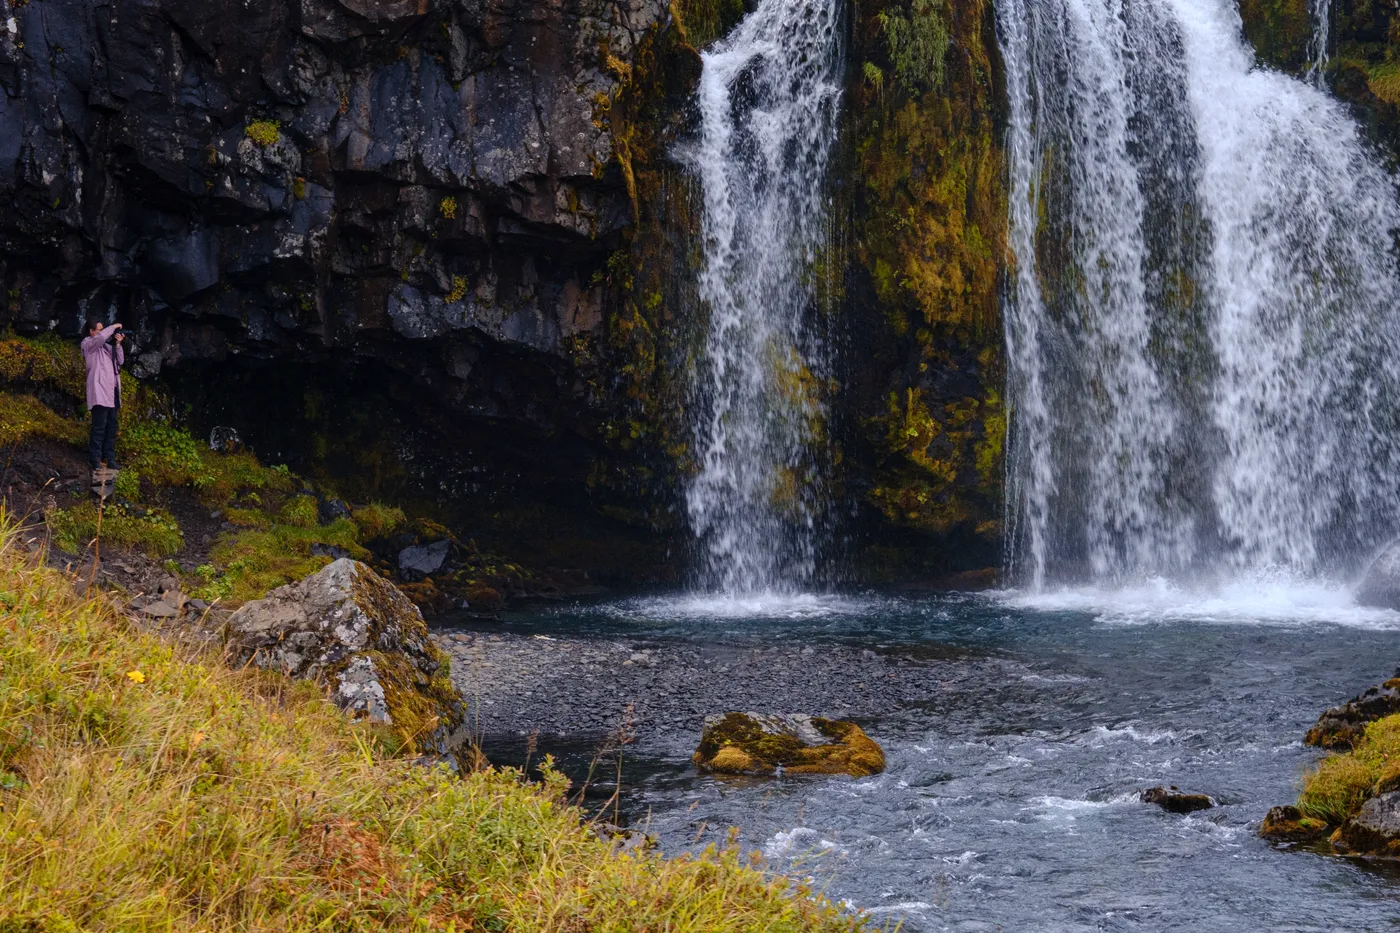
(196, 739)
(136, 677)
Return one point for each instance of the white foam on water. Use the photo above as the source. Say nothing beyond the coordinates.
(778, 606)
(1104, 734)
(1263, 600)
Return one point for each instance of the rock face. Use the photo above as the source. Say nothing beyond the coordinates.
(353, 629)
(1380, 587)
(1174, 800)
(1341, 726)
(418, 200)
(1375, 830)
(768, 743)
(1288, 824)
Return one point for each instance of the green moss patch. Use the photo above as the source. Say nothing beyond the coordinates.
(377, 520)
(151, 530)
(257, 561)
(24, 416)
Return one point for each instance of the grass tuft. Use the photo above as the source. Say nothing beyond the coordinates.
(378, 521)
(1340, 784)
(144, 786)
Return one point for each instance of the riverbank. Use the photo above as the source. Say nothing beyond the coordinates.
(144, 785)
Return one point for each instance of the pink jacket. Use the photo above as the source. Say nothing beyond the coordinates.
(103, 381)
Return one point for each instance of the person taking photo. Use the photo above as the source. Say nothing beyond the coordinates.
(103, 354)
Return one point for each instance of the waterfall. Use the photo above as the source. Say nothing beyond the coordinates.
(768, 101)
(1201, 314)
(1321, 37)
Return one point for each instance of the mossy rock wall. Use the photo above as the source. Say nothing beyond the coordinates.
(927, 198)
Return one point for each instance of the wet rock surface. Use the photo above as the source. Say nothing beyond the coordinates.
(1374, 830)
(519, 683)
(1339, 727)
(1174, 800)
(1288, 824)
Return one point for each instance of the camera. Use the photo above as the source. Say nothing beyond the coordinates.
(112, 337)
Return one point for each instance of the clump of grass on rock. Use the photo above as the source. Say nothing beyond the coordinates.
(145, 786)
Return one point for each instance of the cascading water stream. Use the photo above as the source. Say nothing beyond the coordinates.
(1321, 38)
(768, 99)
(1201, 319)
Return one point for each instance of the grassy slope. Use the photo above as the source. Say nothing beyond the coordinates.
(144, 787)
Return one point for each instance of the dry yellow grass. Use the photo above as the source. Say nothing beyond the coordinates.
(1340, 784)
(144, 786)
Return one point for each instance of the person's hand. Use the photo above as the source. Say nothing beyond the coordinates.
(117, 324)
(120, 337)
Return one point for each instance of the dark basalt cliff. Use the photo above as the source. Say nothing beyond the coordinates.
(365, 227)
(437, 250)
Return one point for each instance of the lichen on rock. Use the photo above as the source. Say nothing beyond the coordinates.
(767, 743)
(352, 629)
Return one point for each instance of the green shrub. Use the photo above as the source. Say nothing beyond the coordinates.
(48, 361)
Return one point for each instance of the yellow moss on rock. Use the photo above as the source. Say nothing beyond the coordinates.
(749, 743)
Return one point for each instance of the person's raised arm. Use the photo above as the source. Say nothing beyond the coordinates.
(99, 338)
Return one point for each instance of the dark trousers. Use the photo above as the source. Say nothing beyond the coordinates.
(102, 440)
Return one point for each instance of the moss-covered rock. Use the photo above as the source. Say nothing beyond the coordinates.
(927, 253)
(1289, 824)
(352, 629)
(758, 743)
(1340, 727)
(1280, 31)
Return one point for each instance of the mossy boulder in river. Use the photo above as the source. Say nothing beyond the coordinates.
(775, 743)
(1289, 824)
(348, 626)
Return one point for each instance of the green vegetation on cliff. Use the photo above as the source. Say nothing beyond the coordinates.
(930, 220)
(145, 786)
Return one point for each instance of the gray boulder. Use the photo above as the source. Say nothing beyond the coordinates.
(423, 560)
(350, 628)
(1375, 830)
(1380, 587)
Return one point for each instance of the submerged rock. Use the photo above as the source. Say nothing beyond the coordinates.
(1174, 800)
(1380, 587)
(759, 743)
(1288, 824)
(1341, 726)
(1374, 830)
(355, 630)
